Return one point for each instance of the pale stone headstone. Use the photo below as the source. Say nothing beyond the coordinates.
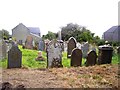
(14, 57)
(41, 45)
(54, 54)
(29, 42)
(70, 46)
(76, 57)
(3, 49)
(85, 49)
(91, 58)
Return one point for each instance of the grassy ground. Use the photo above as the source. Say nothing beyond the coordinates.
(28, 59)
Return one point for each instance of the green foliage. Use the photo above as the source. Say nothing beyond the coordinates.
(49, 36)
(4, 34)
(79, 32)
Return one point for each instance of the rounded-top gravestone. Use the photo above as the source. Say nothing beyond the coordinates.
(91, 58)
(76, 57)
(70, 46)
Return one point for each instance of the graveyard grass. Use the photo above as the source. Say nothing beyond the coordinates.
(28, 59)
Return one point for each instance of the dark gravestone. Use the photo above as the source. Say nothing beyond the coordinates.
(118, 50)
(54, 55)
(91, 58)
(29, 42)
(105, 54)
(71, 45)
(76, 57)
(14, 57)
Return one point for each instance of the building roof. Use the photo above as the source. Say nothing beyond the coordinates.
(113, 29)
(34, 30)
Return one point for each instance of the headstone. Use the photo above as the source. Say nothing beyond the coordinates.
(41, 45)
(76, 57)
(91, 58)
(105, 54)
(14, 57)
(85, 49)
(118, 50)
(39, 57)
(29, 42)
(20, 42)
(3, 49)
(54, 55)
(59, 35)
(71, 45)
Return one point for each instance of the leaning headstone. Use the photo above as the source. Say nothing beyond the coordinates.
(76, 57)
(14, 57)
(54, 55)
(85, 49)
(29, 42)
(3, 49)
(91, 58)
(71, 45)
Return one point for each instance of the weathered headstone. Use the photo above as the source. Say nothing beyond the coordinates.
(91, 58)
(76, 57)
(105, 54)
(14, 57)
(29, 42)
(3, 49)
(54, 55)
(118, 50)
(71, 45)
(85, 49)
(41, 45)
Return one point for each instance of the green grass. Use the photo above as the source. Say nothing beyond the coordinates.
(28, 59)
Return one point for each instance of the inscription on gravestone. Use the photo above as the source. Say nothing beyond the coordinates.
(91, 58)
(14, 57)
(71, 45)
(76, 57)
(54, 55)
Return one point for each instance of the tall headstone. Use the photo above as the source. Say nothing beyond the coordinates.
(76, 57)
(70, 46)
(41, 45)
(85, 49)
(91, 58)
(29, 42)
(3, 49)
(54, 55)
(59, 35)
(14, 57)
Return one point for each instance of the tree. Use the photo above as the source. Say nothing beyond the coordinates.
(50, 35)
(4, 34)
(79, 32)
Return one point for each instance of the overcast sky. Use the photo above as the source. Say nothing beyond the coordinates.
(50, 15)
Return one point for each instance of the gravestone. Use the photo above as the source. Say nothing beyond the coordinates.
(3, 49)
(29, 42)
(76, 57)
(54, 55)
(14, 57)
(41, 45)
(85, 49)
(118, 50)
(70, 46)
(91, 58)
